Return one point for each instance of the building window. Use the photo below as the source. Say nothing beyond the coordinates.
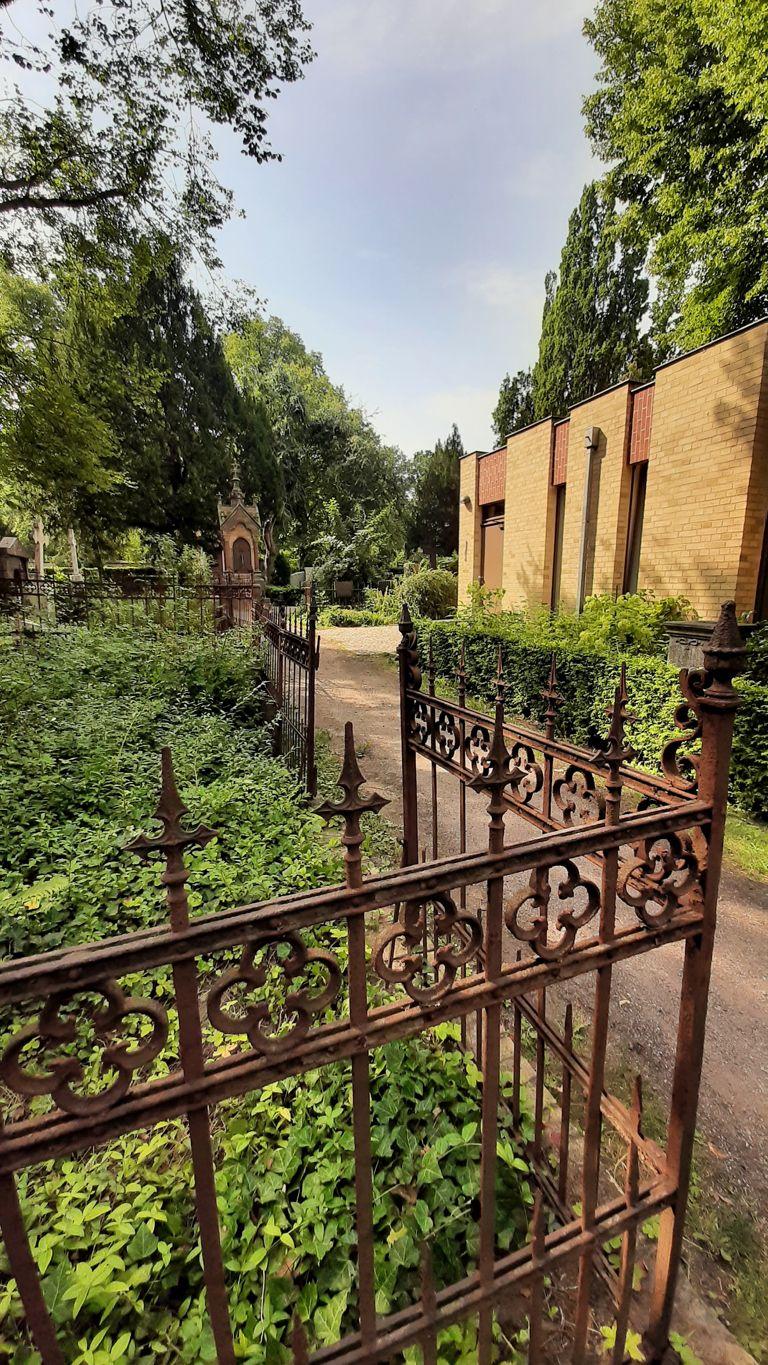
(557, 547)
(637, 487)
(492, 561)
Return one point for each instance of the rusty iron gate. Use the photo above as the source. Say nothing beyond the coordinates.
(457, 948)
(293, 657)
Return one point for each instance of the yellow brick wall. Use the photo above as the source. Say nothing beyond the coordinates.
(706, 498)
(526, 516)
(469, 525)
(609, 413)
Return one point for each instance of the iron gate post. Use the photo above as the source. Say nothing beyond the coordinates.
(715, 702)
(410, 677)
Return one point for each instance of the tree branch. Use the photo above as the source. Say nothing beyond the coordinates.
(62, 201)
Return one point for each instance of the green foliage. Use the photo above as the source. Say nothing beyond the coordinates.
(359, 549)
(92, 132)
(348, 616)
(757, 654)
(329, 451)
(587, 679)
(281, 570)
(81, 720)
(434, 514)
(681, 115)
(591, 328)
(515, 406)
(285, 1186)
(119, 386)
(429, 592)
(633, 623)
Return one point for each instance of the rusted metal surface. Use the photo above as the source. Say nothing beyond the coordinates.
(293, 657)
(459, 949)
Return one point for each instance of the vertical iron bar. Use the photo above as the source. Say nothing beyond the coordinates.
(409, 675)
(428, 1306)
(313, 647)
(565, 1110)
(613, 752)
(717, 704)
(25, 1273)
(172, 843)
(541, 1061)
(351, 807)
(629, 1240)
(536, 1318)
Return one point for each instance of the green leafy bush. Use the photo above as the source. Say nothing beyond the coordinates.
(587, 680)
(82, 720)
(285, 1186)
(634, 623)
(347, 616)
(757, 654)
(282, 596)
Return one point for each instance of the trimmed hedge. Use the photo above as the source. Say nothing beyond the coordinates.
(586, 682)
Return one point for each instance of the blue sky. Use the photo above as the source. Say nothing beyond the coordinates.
(431, 157)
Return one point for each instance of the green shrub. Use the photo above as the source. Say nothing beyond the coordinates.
(347, 616)
(634, 623)
(431, 593)
(283, 596)
(587, 681)
(757, 654)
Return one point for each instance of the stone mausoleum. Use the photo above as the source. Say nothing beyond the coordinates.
(662, 486)
(241, 536)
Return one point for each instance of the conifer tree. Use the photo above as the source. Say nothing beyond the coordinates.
(591, 335)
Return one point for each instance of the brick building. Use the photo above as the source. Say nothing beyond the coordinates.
(662, 486)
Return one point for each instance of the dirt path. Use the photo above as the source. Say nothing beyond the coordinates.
(357, 681)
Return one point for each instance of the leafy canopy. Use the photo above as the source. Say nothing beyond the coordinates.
(106, 143)
(434, 520)
(681, 114)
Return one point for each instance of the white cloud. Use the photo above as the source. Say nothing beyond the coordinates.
(427, 417)
(436, 35)
(518, 294)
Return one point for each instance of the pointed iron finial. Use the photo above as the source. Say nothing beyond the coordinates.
(172, 842)
(552, 697)
(408, 653)
(461, 677)
(500, 689)
(724, 652)
(350, 808)
(350, 781)
(614, 750)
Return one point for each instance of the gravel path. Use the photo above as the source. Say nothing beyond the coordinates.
(356, 683)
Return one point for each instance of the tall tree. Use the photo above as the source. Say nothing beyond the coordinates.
(328, 449)
(110, 139)
(515, 406)
(434, 523)
(118, 407)
(591, 333)
(681, 112)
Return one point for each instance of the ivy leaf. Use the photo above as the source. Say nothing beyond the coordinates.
(142, 1244)
(328, 1319)
(54, 1288)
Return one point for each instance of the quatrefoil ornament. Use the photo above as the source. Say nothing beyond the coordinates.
(450, 923)
(304, 1004)
(53, 1029)
(569, 920)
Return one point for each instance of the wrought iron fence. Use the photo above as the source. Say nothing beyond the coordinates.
(293, 657)
(31, 609)
(456, 949)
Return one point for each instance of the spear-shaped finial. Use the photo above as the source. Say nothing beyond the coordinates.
(614, 749)
(461, 677)
(172, 842)
(724, 652)
(552, 697)
(352, 806)
(408, 652)
(499, 768)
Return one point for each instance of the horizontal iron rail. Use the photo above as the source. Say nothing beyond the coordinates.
(27, 1142)
(76, 968)
(635, 778)
(465, 1297)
